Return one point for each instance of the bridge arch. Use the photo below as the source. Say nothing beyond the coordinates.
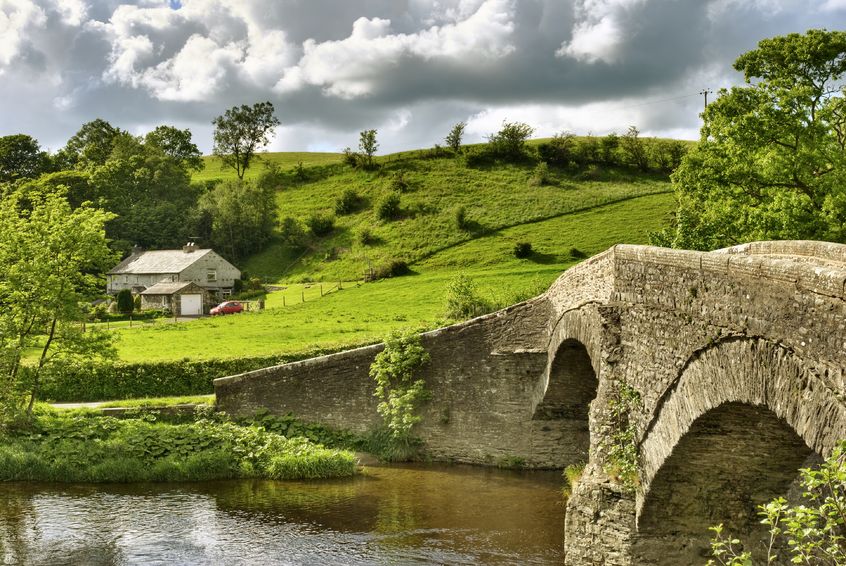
(561, 401)
(730, 433)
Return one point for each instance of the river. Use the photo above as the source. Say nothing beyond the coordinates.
(395, 515)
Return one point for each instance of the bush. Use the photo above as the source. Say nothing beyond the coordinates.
(461, 221)
(559, 150)
(510, 141)
(398, 183)
(540, 176)
(321, 224)
(389, 207)
(292, 233)
(102, 381)
(365, 236)
(393, 268)
(125, 303)
(347, 203)
(351, 158)
(522, 250)
(463, 300)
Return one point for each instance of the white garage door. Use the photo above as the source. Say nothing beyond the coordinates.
(192, 305)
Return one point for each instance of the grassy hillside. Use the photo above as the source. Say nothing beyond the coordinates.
(494, 199)
(577, 213)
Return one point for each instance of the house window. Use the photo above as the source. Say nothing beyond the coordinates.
(211, 276)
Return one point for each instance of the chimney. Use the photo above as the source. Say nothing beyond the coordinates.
(136, 249)
(189, 248)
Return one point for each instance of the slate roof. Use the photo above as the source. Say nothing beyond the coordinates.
(168, 288)
(157, 261)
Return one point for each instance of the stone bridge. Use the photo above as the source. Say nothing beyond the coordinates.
(737, 355)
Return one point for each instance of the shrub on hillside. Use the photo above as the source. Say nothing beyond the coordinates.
(347, 203)
(463, 299)
(398, 183)
(522, 250)
(510, 141)
(540, 176)
(392, 268)
(292, 233)
(365, 236)
(559, 150)
(389, 207)
(321, 224)
(351, 158)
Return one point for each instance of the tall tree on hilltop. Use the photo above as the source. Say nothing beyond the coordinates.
(241, 132)
(21, 158)
(176, 144)
(91, 146)
(771, 161)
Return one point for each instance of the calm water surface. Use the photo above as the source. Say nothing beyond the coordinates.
(388, 515)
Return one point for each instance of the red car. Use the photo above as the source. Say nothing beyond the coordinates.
(229, 307)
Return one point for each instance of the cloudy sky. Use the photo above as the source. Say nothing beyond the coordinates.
(409, 68)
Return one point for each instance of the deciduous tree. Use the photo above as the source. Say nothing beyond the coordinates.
(21, 158)
(51, 255)
(241, 132)
(771, 161)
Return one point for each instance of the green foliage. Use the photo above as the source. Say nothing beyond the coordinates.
(399, 183)
(634, 149)
(76, 448)
(177, 145)
(559, 150)
(522, 250)
(389, 207)
(368, 146)
(90, 147)
(88, 380)
(391, 268)
(572, 474)
(21, 158)
(347, 203)
(510, 141)
(293, 233)
(454, 137)
(814, 531)
(771, 161)
(463, 299)
(622, 456)
(241, 132)
(49, 255)
(540, 176)
(321, 224)
(400, 394)
(365, 236)
(608, 147)
(242, 216)
(125, 302)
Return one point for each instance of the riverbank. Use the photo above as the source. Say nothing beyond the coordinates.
(84, 446)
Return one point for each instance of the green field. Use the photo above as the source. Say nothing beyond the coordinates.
(364, 313)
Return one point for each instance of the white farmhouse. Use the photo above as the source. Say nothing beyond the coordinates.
(203, 267)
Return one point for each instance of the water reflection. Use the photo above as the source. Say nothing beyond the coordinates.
(389, 515)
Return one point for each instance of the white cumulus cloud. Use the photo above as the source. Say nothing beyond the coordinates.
(598, 31)
(350, 67)
(17, 20)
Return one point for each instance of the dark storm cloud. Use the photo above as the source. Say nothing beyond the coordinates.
(410, 69)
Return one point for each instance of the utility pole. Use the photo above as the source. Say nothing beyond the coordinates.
(706, 92)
